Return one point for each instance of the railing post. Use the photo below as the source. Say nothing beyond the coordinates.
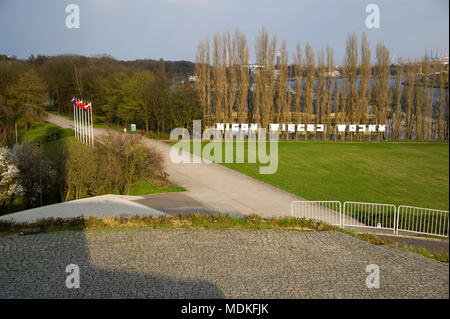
(396, 210)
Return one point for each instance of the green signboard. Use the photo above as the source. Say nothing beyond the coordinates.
(133, 127)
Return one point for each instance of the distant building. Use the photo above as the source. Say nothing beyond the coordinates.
(252, 68)
(193, 78)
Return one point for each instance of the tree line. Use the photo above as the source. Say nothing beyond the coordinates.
(149, 93)
(410, 97)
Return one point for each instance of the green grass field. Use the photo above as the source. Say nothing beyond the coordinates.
(44, 132)
(415, 174)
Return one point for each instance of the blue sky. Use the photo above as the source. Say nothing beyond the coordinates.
(171, 29)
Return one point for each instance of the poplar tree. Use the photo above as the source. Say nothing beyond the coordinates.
(283, 95)
(230, 55)
(243, 77)
(219, 78)
(201, 74)
(440, 117)
(364, 81)
(265, 77)
(350, 67)
(398, 101)
(298, 82)
(409, 99)
(320, 92)
(382, 85)
(330, 87)
(309, 84)
(418, 102)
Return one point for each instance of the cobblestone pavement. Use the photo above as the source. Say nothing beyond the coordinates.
(229, 263)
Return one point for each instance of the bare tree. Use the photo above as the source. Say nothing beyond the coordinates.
(298, 82)
(330, 87)
(242, 74)
(337, 105)
(409, 99)
(219, 77)
(440, 117)
(283, 95)
(382, 85)
(364, 80)
(320, 100)
(398, 101)
(202, 73)
(350, 67)
(265, 76)
(309, 83)
(418, 102)
(230, 54)
(427, 98)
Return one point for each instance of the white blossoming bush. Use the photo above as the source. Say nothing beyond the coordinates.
(34, 170)
(9, 178)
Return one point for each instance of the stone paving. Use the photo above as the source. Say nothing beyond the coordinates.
(228, 263)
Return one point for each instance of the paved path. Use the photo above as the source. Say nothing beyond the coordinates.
(104, 205)
(430, 244)
(178, 203)
(215, 187)
(228, 263)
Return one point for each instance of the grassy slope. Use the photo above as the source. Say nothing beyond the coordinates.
(41, 130)
(398, 173)
(44, 131)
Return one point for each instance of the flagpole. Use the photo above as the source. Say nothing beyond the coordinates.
(78, 121)
(84, 125)
(88, 128)
(74, 119)
(79, 124)
(92, 127)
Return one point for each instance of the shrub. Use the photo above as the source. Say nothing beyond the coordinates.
(9, 178)
(36, 174)
(126, 159)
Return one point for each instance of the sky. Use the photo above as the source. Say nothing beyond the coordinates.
(171, 29)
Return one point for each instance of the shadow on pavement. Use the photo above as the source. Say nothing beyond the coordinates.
(39, 271)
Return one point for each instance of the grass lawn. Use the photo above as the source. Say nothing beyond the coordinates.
(415, 174)
(44, 132)
(144, 187)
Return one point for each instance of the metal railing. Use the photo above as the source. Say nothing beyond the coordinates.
(327, 211)
(369, 215)
(407, 219)
(422, 221)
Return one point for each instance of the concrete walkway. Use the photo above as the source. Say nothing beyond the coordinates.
(215, 187)
(104, 205)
